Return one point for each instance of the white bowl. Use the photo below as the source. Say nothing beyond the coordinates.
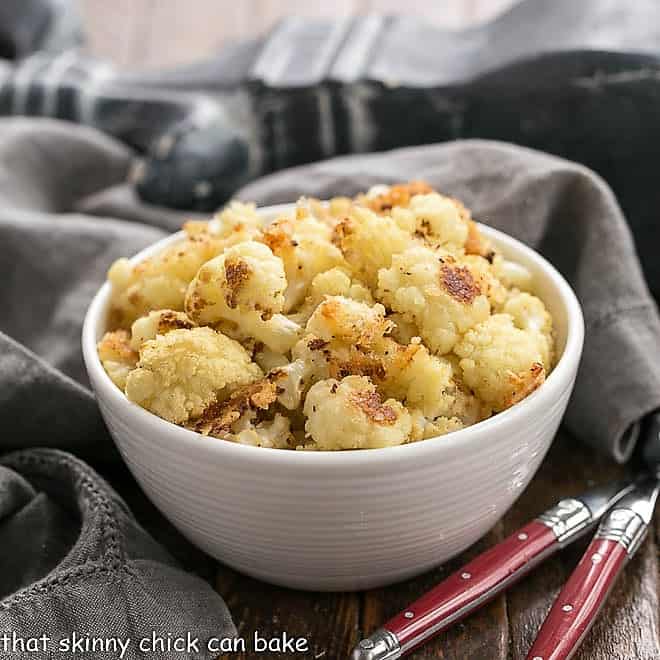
(353, 519)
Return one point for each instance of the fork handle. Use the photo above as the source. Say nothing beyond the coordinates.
(471, 586)
(578, 604)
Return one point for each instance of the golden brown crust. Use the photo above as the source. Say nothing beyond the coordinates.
(316, 344)
(277, 236)
(524, 384)
(171, 320)
(476, 243)
(358, 364)
(458, 282)
(237, 272)
(218, 418)
(398, 195)
(371, 405)
(119, 343)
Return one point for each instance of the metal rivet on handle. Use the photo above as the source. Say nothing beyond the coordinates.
(408, 614)
(537, 657)
(522, 537)
(567, 608)
(596, 558)
(466, 575)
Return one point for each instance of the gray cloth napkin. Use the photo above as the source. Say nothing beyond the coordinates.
(76, 557)
(74, 560)
(568, 214)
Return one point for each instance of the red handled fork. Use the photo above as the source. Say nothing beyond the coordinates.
(490, 573)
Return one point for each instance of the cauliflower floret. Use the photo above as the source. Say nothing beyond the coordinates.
(439, 220)
(511, 274)
(158, 282)
(500, 362)
(181, 373)
(272, 433)
(351, 415)
(530, 314)
(421, 380)
(482, 272)
(368, 241)
(435, 292)
(349, 321)
(117, 356)
(246, 277)
(382, 198)
(333, 282)
(236, 223)
(304, 245)
(424, 428)
(159, 322)
(241, 290)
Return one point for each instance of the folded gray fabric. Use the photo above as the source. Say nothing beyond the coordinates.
(567, 213)
(74, 560)
(79, 570)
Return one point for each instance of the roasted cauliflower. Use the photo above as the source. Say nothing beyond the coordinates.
(359, 323)
(501, 363)
(352, 415)
(180, 374)
(436, 292)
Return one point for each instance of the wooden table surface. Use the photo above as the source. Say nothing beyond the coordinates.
(151, 34)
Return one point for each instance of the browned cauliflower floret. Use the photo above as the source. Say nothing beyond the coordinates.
(500, 362)
(246, 277)
(303, 243)
(345, 320)
(236, 223)
(421, 380)
(369, 241)
(181, 373)
(439, 220)
(117, 356)
(383, 198)
(244, 287)
(159, 322)
(436, 293)
(483, 273)
(159, 282)
(351, 415)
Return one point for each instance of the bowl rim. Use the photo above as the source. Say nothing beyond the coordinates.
(555, 385)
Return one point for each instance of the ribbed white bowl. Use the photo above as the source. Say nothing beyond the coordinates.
(343, 520)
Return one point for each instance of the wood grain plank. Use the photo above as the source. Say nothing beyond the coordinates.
(329, 621)
(483, 636)
(628, 625)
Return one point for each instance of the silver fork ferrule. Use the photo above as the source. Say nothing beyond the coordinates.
(382, 645)
(567, 519)
(625, 527)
